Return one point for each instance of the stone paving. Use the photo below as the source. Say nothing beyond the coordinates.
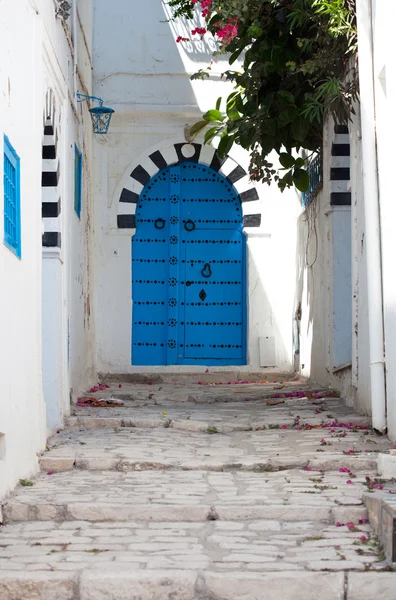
(184, 499)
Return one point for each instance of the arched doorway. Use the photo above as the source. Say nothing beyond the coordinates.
(188, 270)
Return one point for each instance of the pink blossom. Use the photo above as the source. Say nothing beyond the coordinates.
(343, 470)
(227, 34)
(307, 469)
(363, 538)
(363, 521)
(349, 481)
(350, 526)
(338, 524)
(283, 426)
(49, 473)
(198, 31)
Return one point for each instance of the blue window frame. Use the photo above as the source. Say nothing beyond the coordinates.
(77, 180)
(12, 199)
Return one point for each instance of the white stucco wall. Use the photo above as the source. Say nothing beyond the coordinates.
(22, 411)
(324, 285)
(143, 74)
(332, 283)
(42, 292)
(384, 77)
(68, 272)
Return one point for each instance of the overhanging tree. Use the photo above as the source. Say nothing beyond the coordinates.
(295, 70)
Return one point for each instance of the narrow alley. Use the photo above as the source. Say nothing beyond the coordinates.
(197, 300)
(199, 488)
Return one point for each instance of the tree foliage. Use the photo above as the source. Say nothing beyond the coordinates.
(295, 56)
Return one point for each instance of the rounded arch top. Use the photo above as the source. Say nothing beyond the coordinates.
(207, 194)
(134, 181)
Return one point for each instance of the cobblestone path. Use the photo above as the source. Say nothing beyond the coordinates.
(201, 492)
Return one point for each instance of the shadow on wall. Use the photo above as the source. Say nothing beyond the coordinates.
(199, 49)
(315, 320)
(308, 274)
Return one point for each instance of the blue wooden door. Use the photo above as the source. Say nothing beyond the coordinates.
(188, 267)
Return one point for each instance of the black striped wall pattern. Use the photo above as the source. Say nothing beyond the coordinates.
(50, 203)
(133, 183)
(340, 194)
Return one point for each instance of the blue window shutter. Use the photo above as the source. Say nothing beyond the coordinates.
(77, 180)
(12, 199)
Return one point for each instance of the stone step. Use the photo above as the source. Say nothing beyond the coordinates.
(199, 374)
(154, 394)
(216, 559)
(134, 449)
(193, 496)
(251, 414)
(106, 584)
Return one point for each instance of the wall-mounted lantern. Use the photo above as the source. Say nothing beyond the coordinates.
(101, 115)
(63, 9)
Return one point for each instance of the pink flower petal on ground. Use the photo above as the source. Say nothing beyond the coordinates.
(363, 521)
(120, 385)
(338, 524)
(363, 538)
(349, 481)
(350, 525)
(49, 473)
(207, 371)
(307, 469)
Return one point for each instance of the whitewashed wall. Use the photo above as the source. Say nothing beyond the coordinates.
(143, 74)
(332, 282)
(324, 282)
(43, 295)
(68, 351)
(384, 77)
(22, 411)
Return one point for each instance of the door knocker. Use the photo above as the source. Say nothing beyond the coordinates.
(206, 271)
(159, 223)
(189, 225)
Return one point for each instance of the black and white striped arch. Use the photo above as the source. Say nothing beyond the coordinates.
(340, 194)
(50, 200)
(134, 182)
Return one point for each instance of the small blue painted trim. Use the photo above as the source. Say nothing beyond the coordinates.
(244, 296)
(14, 244)
(77, 181)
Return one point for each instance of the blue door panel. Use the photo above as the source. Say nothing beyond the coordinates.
(213, 336)
(188, 258)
